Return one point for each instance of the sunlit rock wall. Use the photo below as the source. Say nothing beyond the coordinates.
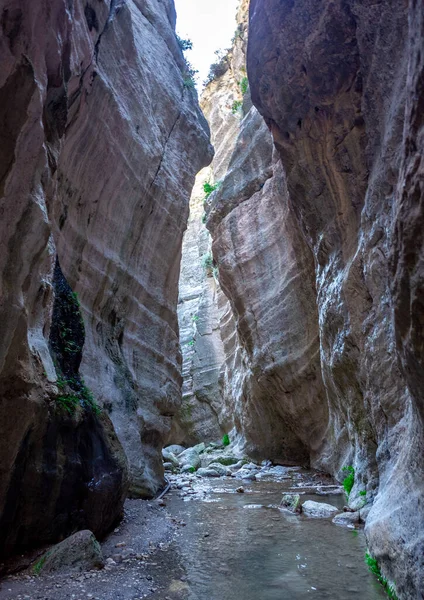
(203, 308)
(100, 141)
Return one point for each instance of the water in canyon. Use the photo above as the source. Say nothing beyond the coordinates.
(241, 546)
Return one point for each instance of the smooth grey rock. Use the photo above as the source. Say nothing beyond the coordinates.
(219, 469)
(347, 519)
(330, 490)
(190, 457)
(244, 474)
(175, 449)
(170, 457)
(318, 510)
(208, 473)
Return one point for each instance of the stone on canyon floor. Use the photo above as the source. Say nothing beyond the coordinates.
(218, 457)
(244, 474)
(347, 519)
(81, 551)
(170, 458)
(240, 490)
(190, 458)
(219, 468)
(208, 473)
(168, 466)
(291, 502)
(318, 510)
(330, 490)
(175, 449)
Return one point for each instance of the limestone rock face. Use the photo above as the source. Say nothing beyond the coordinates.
(100, 141)
(275, 392)
(340, 86)
(198, 418)
(202, 306)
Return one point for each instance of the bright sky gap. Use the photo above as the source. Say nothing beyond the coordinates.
(210, 25)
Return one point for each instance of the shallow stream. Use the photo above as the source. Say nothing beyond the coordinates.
(240, 546)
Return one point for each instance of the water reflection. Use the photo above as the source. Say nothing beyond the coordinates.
(241, 547)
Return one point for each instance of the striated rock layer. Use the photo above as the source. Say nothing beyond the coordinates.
(202, 305)
(100, 140)
(340, 85)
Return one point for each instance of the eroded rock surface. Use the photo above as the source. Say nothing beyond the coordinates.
(100, 141)
(340, 87)
(202, 305)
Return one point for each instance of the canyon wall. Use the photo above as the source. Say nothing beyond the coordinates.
(203, 310)
(340, 87)
(317, 247)
(94, 186)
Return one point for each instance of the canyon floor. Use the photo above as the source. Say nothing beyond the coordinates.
(221, 538)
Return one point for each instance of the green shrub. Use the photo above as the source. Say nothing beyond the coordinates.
(349, 480)
(375, 570)
(363, 493)
(244, 85)
(184, 44)
(79, 395)
(188, 83)
(208, 188)
(219, 68)
(68, 402)
(237, 104)
(36, 569)
(189, 76)
(207, 261)
(226, 440)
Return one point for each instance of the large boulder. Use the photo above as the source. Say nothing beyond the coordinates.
(170, 457)
(318, 510)
(79, 552)
(220, 469)
(175, 449)
(191, 456)
(347, 519)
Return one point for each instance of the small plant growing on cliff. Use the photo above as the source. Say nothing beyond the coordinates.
(349, 480)
(189, 75)
(236, 107)
(238, 34)
(218, 68)
(373, 566)
(207, 262)
(363, 493)
(208, 188)
(184, 44)
(39, 565)
(226, 440)
(191, 343)
(68, 402)
(244, 85)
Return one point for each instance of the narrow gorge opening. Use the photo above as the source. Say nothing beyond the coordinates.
(211, 300)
